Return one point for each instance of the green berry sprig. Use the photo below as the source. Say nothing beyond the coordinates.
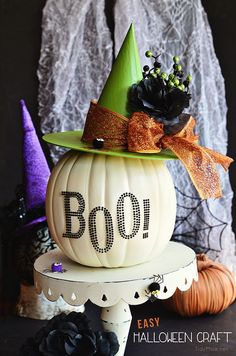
(174, 79)
(156, 70)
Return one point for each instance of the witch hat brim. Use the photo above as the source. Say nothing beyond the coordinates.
(72, 140)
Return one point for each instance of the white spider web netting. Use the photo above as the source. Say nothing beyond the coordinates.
(76, 57)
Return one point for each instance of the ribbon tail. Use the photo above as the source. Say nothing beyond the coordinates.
(200, 163)
(224, 161)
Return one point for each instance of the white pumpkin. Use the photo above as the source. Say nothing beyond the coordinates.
(110, 211)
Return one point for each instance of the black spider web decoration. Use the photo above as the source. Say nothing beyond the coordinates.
(196, 225)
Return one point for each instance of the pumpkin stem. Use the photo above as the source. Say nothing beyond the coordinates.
(204, 262)
(202, 257)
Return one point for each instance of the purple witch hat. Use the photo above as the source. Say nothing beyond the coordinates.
(36, 170)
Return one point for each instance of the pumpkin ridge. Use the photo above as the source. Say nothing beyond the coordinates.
(145, 253)
(74, 251)
(90, 207)
(106, 263)
(128, 190)
(89, 244)
(159, 192)
(151, 248)
(105, 197)
(66, 189)
(53, 212)
(161, 171)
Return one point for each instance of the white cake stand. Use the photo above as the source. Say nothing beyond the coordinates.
(117, 288)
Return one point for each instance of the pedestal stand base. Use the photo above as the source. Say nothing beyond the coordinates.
(118, 319)
(116, 288)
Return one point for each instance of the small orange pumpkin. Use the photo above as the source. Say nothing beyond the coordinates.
(213, 293)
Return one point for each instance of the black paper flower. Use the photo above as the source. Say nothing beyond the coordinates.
(107, 343)
(70, 335)
(160, 95)
(152, 96)
(67, 335)
(12, 215)
(67, 339)
(79, 319)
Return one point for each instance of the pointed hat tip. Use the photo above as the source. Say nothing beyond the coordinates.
(23, 107)
(131, 28)
(27, 123)
(125, 72)
(131, 32)
(22, 103)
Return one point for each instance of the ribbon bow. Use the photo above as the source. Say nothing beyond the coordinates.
(141, 133)
(146, 135)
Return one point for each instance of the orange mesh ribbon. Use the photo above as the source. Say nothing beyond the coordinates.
(147, 135)
(141, 133)
(106, 124)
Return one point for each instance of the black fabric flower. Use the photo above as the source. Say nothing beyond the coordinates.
(15, 215)
(79, 319)
(107, 344)
(152, 96)
(70, 335)
(67, 335)
(67, 339)
(12, 215)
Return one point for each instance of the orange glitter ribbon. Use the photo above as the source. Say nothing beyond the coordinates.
(106, 124)
(143, 134)
(147, 135)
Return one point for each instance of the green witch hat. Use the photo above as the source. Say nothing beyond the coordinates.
(111, 112)
(126, 71)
